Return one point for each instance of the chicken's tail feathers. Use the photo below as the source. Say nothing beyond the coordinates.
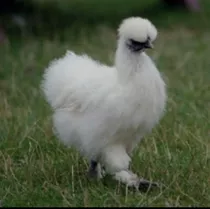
(70, 53)
(67, 54)
(55, 81)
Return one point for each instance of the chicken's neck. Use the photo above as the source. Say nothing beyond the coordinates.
(127, 63)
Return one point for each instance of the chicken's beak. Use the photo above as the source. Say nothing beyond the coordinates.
(149, 45)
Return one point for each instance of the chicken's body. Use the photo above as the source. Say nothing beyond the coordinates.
(104, 111)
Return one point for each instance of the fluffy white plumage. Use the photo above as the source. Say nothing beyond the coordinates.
(104, 111)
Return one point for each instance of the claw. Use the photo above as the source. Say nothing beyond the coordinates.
(145, 185)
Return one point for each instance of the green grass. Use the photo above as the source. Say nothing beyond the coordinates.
(36, 170)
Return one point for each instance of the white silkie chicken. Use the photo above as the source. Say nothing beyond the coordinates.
(105, 111)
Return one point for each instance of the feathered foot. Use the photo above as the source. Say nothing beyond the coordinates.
(132, 180)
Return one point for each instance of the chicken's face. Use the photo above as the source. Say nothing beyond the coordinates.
(137, 33)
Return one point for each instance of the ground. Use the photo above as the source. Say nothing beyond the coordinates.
(36, 170)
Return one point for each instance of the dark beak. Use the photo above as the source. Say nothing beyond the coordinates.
(148, 45)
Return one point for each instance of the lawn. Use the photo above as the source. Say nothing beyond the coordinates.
(36, 170)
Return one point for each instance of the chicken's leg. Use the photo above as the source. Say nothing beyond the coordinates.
(116, 162)
(95, 170)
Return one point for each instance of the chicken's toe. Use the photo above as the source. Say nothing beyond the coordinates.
(145, 185)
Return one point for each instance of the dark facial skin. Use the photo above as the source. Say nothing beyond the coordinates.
(136, 46)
